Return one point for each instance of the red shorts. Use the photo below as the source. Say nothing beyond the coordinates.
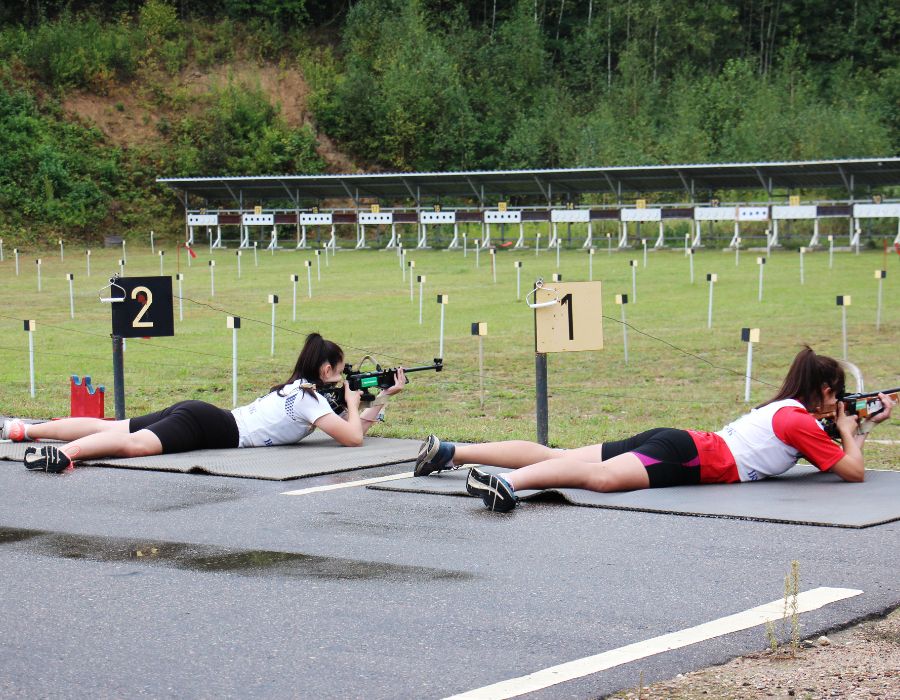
(717, 465)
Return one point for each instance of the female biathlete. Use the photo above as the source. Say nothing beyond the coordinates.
(284, 416)
(766, 442)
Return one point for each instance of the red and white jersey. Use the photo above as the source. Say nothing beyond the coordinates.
(769, 440)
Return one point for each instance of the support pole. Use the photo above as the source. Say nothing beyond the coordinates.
(118, 376)
(234, 322)
(879, 275)
(87, 254)
(591, 264)
(421, 293)
(273, 300)
(30, 328)
(308, 264)
(162, 254)
(294, 280)
(541, 412)
(180, 277)
(71, 278)
(38, 263)
(518, 266)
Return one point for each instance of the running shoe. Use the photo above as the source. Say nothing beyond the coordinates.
(48, 459)
(434, 456)
(13, 429)
(496, 492)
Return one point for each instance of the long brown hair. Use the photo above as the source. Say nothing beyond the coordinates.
(806, 377)
(316, 351)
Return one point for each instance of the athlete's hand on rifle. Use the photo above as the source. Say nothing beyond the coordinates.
(846, 423)
(882, 416)
(351, 398)
(399, 382)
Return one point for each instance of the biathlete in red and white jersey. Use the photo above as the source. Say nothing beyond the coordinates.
(766, 442)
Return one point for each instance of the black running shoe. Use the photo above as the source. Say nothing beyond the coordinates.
(496, 492)
(434, 456)
(48, 459)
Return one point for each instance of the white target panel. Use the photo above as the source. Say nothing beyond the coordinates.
(570, 216)
(503, 217)
(783, 213)
(258, 219)
(714, 213)
(641, 214)
(315, 220)
(876, 211)
(437, 217)
(753, 214)
(203, 219)
(376, 218)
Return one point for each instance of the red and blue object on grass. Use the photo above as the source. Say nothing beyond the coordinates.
(86, 401)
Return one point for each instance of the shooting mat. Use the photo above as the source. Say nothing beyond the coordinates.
(317, 454)
(803, 496)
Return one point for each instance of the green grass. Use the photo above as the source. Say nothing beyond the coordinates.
(362, 303)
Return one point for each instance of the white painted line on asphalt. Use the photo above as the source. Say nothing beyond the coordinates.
(884, 442)
(347, 484)
(806, 601)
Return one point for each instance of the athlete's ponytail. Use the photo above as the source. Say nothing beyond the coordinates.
(316, 351)
(805, 379)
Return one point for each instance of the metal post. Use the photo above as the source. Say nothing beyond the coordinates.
(237, 254)
(762, 264)
(518, 265)
(421, 293)
(152, 244)
(737, 251)
(690, 254)
(16, 253)
(212, 278)
(541, 412)
(624, 334)
(802, 253)
(180, 276)
(844, 329)
(477, 249)
(1, 250)
(308, 264)
(234, 360)
(634, 281)
(294, 279)
(118, 377)
(557, 253)
(124, 257)
(273, 300)
(71, 279)
(644, 243)
(493, 265)
(38, 263)
(441, 342)
(62, 253)
(537, 243)
(481, 369)
(831, 251)
(255, 255)
(465, 243)
(880, 274)
(121, 267)
(31, 354)
(318, 266)
(162, 254)
(609, 244)
(591, 265)
(411, 264)
(88, 256)
(749, 372)
(712, 283)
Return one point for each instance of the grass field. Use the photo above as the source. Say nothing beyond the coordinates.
(363, 304)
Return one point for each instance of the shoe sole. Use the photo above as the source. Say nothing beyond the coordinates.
(490, 492)
(426, 454)
(47, 459)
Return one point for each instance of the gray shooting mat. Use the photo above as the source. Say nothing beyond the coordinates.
(317, 454)
(803, 496)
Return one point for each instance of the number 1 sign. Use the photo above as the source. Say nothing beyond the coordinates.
(573, 324)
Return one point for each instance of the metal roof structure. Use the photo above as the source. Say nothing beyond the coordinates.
(856, 177)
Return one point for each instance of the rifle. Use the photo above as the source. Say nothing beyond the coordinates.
(364, 381)
(862, 405)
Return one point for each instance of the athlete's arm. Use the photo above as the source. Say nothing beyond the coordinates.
(348, 431)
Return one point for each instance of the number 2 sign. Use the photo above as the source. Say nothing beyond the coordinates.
(146, 310)
(573, 324)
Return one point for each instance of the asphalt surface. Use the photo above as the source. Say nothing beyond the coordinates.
(123, 583)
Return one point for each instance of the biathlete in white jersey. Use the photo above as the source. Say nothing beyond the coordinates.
(766, 442)
(284, 416)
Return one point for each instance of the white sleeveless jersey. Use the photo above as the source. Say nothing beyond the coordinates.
(280, 419)
(757, 451)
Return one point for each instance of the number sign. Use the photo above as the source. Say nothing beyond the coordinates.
(146, 310)
(575, 323)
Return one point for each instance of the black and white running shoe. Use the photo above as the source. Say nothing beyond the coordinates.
(48, 459)
(496, 492)
(434, 456)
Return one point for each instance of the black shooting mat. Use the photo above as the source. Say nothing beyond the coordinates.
(803, 496)
(317, 454)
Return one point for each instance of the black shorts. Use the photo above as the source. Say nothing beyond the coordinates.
(669, 455)
(190, 425)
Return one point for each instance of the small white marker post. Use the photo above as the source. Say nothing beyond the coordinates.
(518, 265)
(591, 253)
(844, 301)
(87, 255)
(71, 278)
(622, 300)
(189, 256)
(443, 300)
(465, 244)
(768, 242)
(411, 265)
(121, 267)
(318, 267)
(802, 254)
(401, 256)
(761, 261)
(421, 280)
(749, 336)
(124, 256)
(687, 240)
(233, 322)
(255, 254)
(557, 252)
(537, 243)
(162, 257)
(16, 254)
(830, 252)
(479, 329)
(609, 244)
(556, 277)
(737, 251)
(477, 249)
(294, 280)
(332, 252)
(880, 276)
(493, 254)
(1, 250)
(856, 237)
(152, 244)
(30, 328)
(237, 254)
(644, 243)
(308, 265)
(273, 300)
(62, 252)
(179, 276)
(634, 264)
(212, 278)
(37, 262)
(712, 278)
(690, 254)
